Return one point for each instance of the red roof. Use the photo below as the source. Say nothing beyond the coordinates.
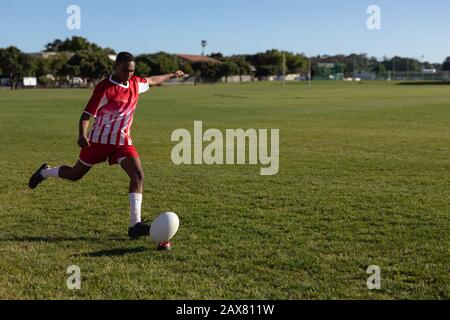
(197, 58)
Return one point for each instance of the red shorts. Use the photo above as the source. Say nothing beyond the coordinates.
(97, 153)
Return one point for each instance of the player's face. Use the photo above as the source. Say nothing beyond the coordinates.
(124, 71)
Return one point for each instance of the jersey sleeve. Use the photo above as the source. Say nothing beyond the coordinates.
(143, 84)
(97, 100)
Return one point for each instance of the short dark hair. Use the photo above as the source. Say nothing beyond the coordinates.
(124, 57)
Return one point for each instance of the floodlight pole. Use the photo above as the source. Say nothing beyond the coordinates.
(204, 42)
(284, 68)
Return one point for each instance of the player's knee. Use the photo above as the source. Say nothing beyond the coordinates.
(76, 176)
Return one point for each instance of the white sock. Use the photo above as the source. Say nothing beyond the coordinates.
(50, 172)
(135, 208)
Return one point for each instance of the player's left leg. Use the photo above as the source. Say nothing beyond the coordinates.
(74, 173)
(133, 168)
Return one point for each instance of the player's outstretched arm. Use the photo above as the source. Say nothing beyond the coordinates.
(83, 140)
(157, 80)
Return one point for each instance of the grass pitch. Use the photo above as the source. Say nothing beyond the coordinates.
(363, 180)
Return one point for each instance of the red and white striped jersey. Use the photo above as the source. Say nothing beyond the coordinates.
(113, 104)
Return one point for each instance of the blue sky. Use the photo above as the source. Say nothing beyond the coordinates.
(409, 27)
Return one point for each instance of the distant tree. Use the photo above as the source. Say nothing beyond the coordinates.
(142, 69)
(88, 65)
(437, 66)
(217, 55)
(357, 62)
(207, 70)
(400, 64)
(186, 67)
(15, 64)
(87, 60)
(109, 51)
(266, 70)
(296, 63)
(267, 63)
(45, 81)
(69, 70)
(42, 70)
(53, 46)
(234, 65)
(347, 64)
(75, 44)
(227, 68)
(159, 63)
(58, 66)
(43, 67)
(57, 62)
(243, 65)
(446, 65)
(29, 64)
(373, 65)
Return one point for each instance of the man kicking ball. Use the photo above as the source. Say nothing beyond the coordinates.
(112, 105)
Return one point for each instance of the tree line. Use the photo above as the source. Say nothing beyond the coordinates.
(77, 57)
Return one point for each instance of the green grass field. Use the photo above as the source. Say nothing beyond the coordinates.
(364, 180)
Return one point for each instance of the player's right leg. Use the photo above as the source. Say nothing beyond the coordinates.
(133, 167)
(74, 173)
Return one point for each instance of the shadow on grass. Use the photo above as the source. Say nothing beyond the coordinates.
(60, 239)
(229, 96)
(112, 252)
(101, 253)
(425, 83)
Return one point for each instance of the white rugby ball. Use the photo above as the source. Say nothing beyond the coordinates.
(164, 227)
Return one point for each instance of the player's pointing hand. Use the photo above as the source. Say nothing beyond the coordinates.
(178, 74)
